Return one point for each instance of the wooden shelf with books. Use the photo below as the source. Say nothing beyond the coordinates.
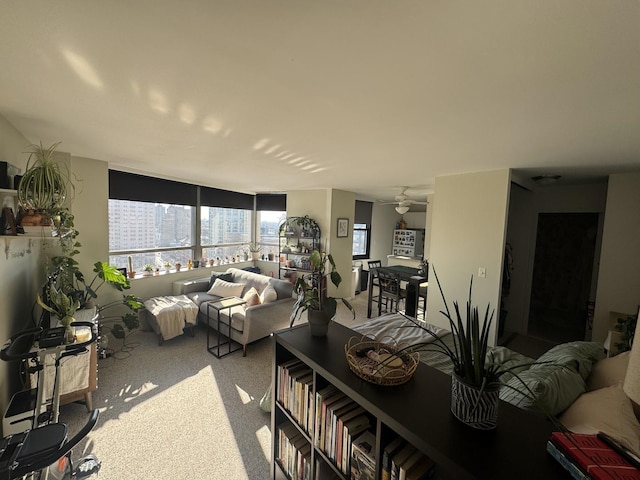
(337, 425)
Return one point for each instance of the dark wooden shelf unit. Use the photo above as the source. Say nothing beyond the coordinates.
(419, 411)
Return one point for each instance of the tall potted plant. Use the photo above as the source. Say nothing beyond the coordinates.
(44, 187)
(475, 381)
(312, 294)
(67, 277)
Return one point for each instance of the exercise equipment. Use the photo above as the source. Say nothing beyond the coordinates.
(43, 450)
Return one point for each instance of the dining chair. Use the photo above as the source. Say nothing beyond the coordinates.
(422, 296)
(373, 276)
(390, 292)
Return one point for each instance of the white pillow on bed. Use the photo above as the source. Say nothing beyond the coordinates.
(608, 371)
(606, 410)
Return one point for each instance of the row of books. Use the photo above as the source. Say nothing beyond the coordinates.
(403, 461)
(589, 457)
(294, 452)
(338, 421)
(295, 391)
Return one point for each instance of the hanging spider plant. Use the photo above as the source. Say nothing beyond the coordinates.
(45, 185)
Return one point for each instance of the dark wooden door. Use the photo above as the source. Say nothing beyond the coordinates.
(562, 271)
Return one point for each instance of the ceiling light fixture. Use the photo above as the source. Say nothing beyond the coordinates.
(545, 179)
(402, 210)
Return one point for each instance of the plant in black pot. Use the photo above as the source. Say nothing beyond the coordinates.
(312, 294)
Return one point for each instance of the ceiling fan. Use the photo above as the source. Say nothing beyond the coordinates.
(403, 202)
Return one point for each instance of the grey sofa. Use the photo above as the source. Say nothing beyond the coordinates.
(247, 324)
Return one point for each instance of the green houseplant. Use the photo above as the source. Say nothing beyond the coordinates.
(312, 294)
(66, 276)
(475, 381)
(44, 187)
(62, 306)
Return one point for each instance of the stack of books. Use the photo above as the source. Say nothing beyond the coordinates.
(593, 457)
(403, 461)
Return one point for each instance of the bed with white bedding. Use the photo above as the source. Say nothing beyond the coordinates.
(557, 377)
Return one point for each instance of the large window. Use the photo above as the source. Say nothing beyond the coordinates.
(154, 222)
(362, 230)
(269, 222)
(151, 233)
(224, 232)
(360, 241)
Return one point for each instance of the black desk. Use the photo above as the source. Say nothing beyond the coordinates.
(413, 279)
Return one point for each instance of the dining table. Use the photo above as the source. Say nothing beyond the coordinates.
(414, 280)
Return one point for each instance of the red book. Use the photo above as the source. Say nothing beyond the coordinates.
(594, 456)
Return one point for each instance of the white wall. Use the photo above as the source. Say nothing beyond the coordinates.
(468, 232)
(619, 275)
(21, 267)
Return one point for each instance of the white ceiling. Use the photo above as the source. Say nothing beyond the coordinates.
(361, 95)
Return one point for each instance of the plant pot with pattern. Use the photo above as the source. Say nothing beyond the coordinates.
(475, 381)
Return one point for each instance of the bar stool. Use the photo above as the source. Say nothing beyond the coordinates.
(389, 292)
(373, 275)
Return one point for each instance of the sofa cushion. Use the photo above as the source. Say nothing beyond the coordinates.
(608, 371)
(580, 356)
(607, 410)
(221, 288)
(227, 277)
(251, 297)
(269, 294)
(283, 288)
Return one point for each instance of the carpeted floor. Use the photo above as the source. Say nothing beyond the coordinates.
(176, 412)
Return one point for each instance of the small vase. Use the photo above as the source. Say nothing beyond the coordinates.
(69, 334)
(473, 406)
(318, 323)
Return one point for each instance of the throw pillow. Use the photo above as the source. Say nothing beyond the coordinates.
(607, 410)
(227, 277)
(554, 387)
(251, 297)
(269, 294)
(608, 371)
(221, 288)
(579, 356)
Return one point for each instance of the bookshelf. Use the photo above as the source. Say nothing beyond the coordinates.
(418, 411)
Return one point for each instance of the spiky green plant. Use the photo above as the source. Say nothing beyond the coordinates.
(45, 185)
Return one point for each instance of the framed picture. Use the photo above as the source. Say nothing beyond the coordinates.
(343, 227)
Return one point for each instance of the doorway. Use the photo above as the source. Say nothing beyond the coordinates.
(562, 275)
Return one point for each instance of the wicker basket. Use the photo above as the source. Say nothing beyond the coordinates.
(387, 369)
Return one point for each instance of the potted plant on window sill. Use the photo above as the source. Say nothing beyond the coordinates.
(312, 294)
(254, 250)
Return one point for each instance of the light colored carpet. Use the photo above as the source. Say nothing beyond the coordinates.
(176, 412)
